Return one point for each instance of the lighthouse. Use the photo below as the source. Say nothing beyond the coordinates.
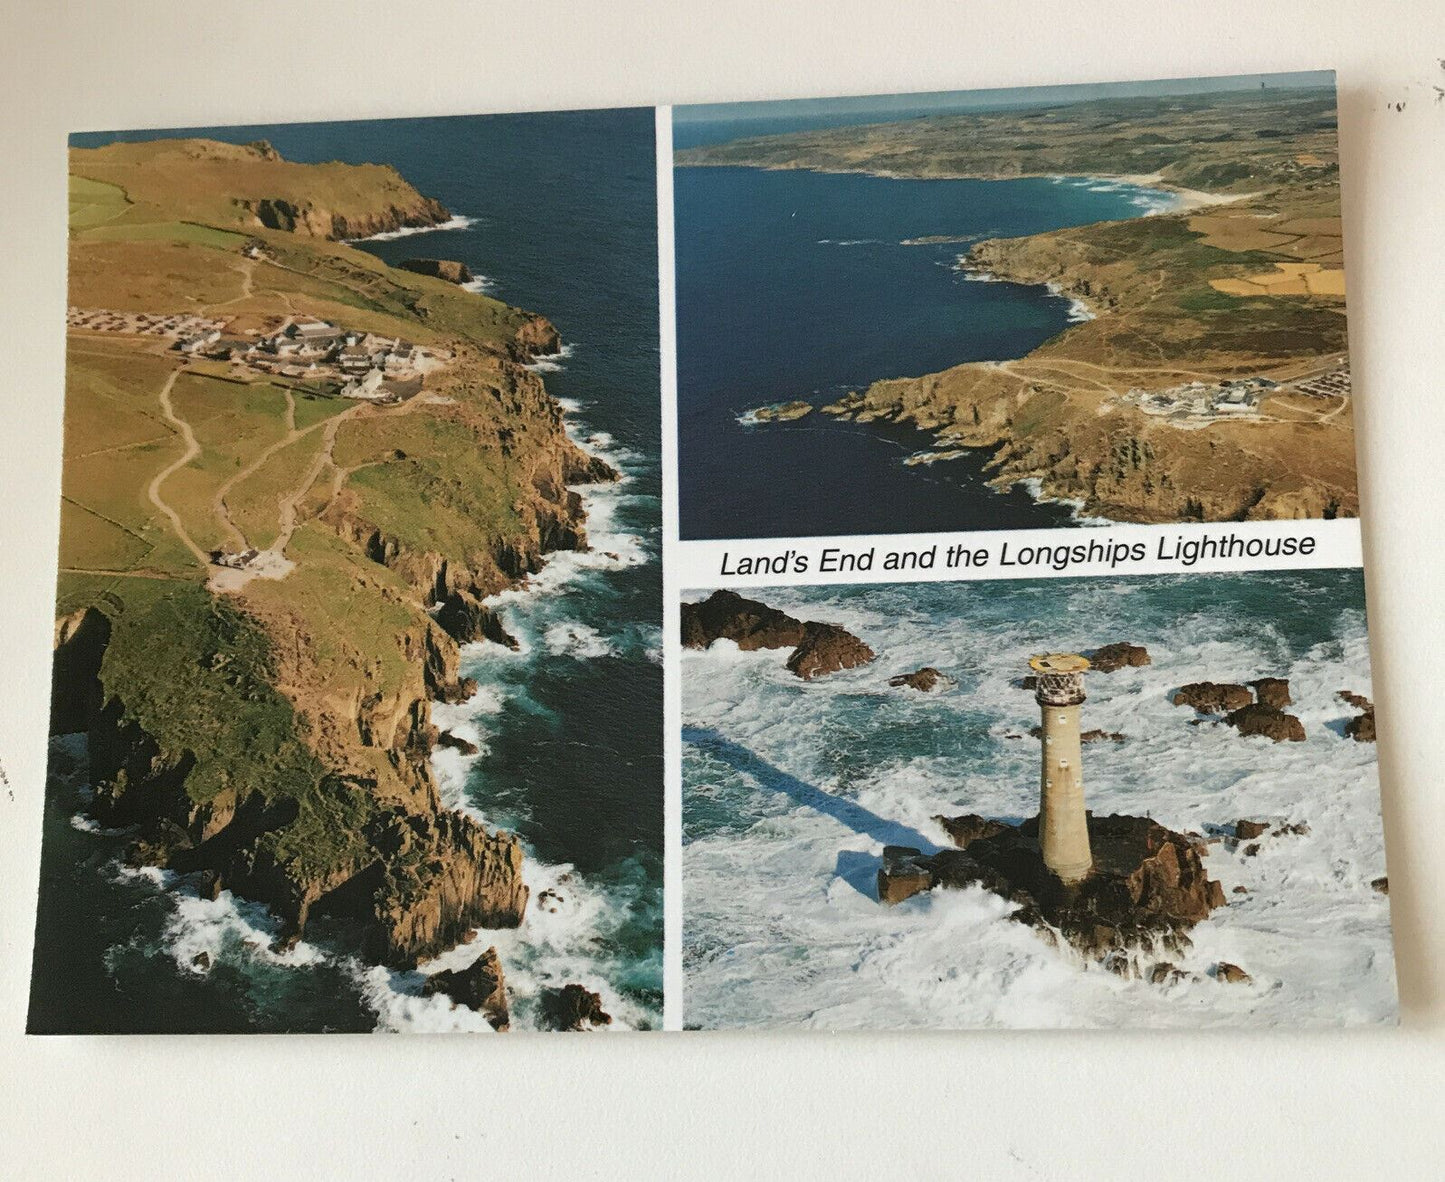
(1063, 824)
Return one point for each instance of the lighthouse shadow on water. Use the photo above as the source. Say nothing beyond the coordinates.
(1169, 816)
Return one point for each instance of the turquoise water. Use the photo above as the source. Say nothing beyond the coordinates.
(559, 216)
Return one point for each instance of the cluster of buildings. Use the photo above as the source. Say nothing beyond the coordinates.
(1204, 400)
(1333, 384)
(357, 364)
(346, 362)
(178, 326)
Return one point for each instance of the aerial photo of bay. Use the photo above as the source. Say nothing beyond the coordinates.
(1010, 309)
(357, 709)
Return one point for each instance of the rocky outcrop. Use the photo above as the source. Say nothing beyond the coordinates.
(925, 680)
(1231, 974)
(448, 269)
(464, 618)
(1255, 719)
(1248, 830)
(1210, 697)
(1148, 885)
(480, 986)
(726, 615)
(1272, 692)
(827, 648)
(401, 876)
(538, 337)
(1361, 728)
(965, 830)
(782, 412)
(572, 1008)
(456, 743)
(309, 218)
(1121, 655)
(818, 648)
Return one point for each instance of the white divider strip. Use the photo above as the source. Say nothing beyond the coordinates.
(1193, 548)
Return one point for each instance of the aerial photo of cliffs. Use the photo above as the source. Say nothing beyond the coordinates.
(1100, 802)
(357, 684)
(1006, 309)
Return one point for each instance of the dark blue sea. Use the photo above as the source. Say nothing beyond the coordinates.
(559, 216)
(799, 285)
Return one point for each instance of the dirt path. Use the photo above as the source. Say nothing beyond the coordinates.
(288, 503)
(219, 507)
(193, 449)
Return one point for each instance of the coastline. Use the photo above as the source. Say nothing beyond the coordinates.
(556, 943)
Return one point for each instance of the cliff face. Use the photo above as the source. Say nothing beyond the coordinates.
(274, 739)
(398, 874)
(306, 217)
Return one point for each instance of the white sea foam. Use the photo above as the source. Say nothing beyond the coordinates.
(783, 925)
(569, 918)
(457, 222)
(481, 284)
(552, 362)
(568, 638)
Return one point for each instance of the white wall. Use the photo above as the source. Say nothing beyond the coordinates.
(1286, 1105)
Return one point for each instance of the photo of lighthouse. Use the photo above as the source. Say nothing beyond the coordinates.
(1033, 803)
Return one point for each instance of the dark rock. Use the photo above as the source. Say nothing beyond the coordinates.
(827, 648)
(901, 876)
(456, 743)
(81, 640)
(209, 885)
(1361, 728)
(1255, 719)
(1165, 973)
(926, 679)
(965, 830)
(480, 986)
(1245, 830)
(452, 272)
(1272, 692)
(1241, 890)
(726, 615)
(467, 620)
(1231, 974)
(1212, 697)
(549, 900)
(1381, 884)
(202, 961)
(1251, 849)
(1113, 657)
(1147, 882)
(572, 1008)
(1298, 829)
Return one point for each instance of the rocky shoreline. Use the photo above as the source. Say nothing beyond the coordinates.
(401, 877)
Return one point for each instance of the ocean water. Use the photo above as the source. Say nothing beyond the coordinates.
(555, 213)
(791, 790)
(799, 285)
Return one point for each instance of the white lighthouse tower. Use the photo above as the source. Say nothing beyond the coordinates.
(1063, 823)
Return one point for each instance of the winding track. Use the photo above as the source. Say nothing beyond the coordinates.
(193, 449)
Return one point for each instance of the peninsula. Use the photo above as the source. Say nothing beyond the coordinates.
(1210, 381)
(293, 474)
